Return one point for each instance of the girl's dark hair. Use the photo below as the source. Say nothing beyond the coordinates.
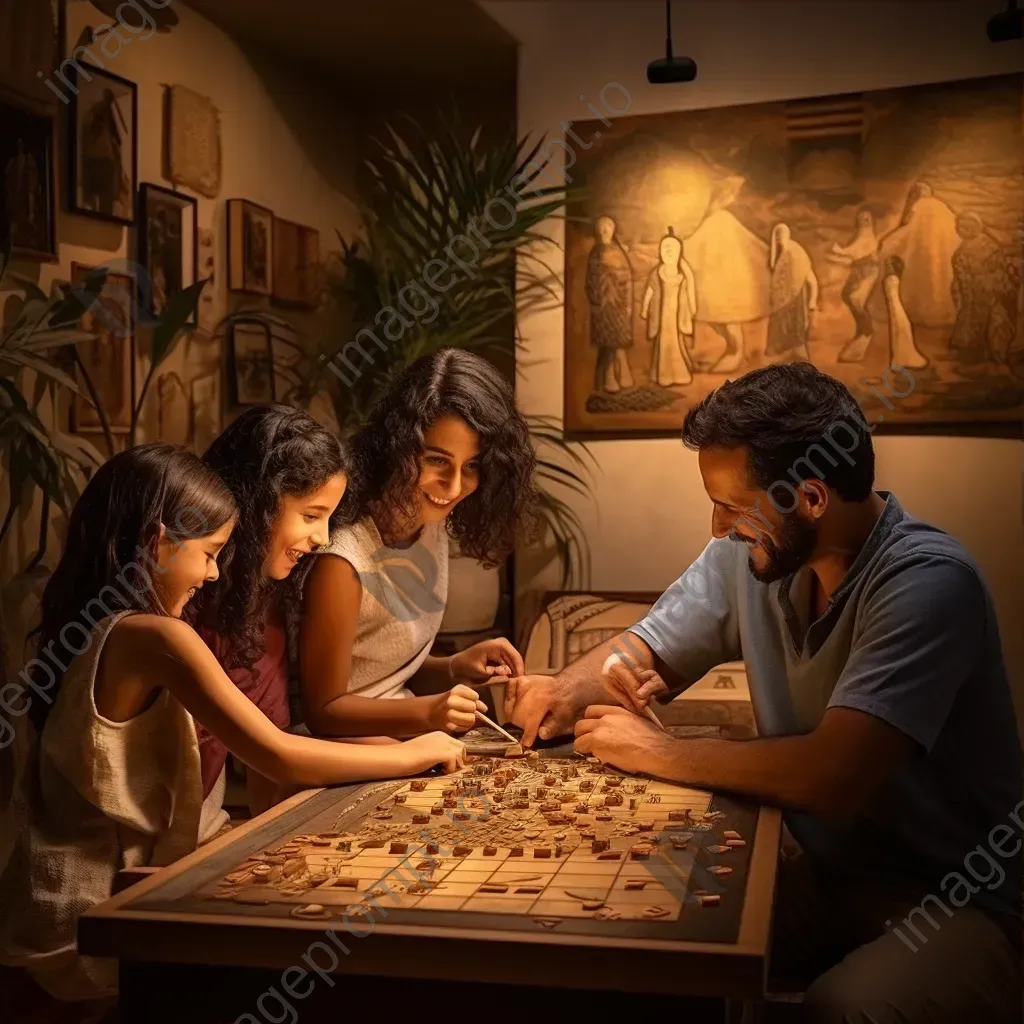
(795, 422)
(111, 533)
(268, 452)
(386, 451)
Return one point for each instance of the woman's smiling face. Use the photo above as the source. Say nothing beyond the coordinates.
(449, 467)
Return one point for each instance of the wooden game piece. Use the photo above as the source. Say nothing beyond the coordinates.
(608, 914)
(680, 842)
(420, 819)
(309, 910)
(372, 844)
(717, 849)
(399, 798)
(418, 785)
(533, 757)
(345, 845)
(251, 901)
(678, 815)
(426, 865)
(437, 809)
(586, 785)
(735, 842)
(261, 872)
(720, 869)
(449, 802)
(558, 849)
(462, 851)
(319, 878)
(541, 851)
(581, 808)
(345, 882)
(633, 803)
(656, 912)
(399, 848)
(645, 825)
(384, 815)
(613, 781)
(515, 750)
(550, 805)
(610, 855)
(460, 816)
(559, 837)
(599, 845)
(640, 852)
(529, 890)
(602, 817)
(550, 780)
(731, 834)
(320, 842)
(493, 888)
(490, 851)
(515, 851)
(710, 900)
(635, 883)
(593, 904)
(432, 847)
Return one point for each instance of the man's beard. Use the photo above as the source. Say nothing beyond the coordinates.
(795, 546)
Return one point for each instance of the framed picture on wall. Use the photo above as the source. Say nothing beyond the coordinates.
(28, 198)
(106, 365)
(103, 144)
(250, 248)
(251, 362)
(168, 245)
(296, 263)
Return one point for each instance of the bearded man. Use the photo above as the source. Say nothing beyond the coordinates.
(886, 729)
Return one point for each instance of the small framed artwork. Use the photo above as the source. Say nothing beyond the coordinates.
(192, 149)
(106, 365)
(28, 197)
(206, 411)
(251, 362)
(103, 144)
(168, 245)
(296, 263)
(250, 248)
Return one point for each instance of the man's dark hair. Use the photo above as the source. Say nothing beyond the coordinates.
(795, 422)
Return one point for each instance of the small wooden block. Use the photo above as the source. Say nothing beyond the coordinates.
(399, 848)
(437, 810)
(345, 883)
(720, 869)
(462, 851)
(731, 834)
(420, 819)
(599, 845)
(610, 855)
(515, 851)
(710, 900)
(677, 816)
(432, 847)
(640, 852)
(493, 888)
(400, 798)
(593, 904)
(636, 883)
(372, 844)
(490, 851)
(529, 890)
(418, 785)
(718, 849)
(735, 842)
(542, 851)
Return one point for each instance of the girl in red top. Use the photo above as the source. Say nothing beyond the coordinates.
(287, 474)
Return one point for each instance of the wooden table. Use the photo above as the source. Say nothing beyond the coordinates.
(183, 958)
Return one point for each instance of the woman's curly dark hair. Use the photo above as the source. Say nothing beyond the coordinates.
(386, 452)
(268, 452)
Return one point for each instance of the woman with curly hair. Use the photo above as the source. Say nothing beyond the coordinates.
(445, 455)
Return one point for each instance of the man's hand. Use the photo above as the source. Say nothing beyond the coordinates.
(620, 738)
(540, 705)
(487, 660)
(634, 687)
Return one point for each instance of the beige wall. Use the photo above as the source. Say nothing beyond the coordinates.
(650, 516)
(287, 144)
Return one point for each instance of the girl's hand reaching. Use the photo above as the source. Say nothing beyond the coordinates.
(435, 748)
(487, 660)
(455, 710)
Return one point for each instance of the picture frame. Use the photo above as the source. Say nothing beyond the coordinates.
(168, 245)
(251, 362)
(103, 157)
(28, 158)
(192, 141)
(296, 263)
(207, 411)
(108, 361)
(250, 248)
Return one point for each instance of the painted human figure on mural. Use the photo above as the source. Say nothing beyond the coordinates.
(985, 292)
(902, 350)
(610, 294)
(669, 304)
(861, 255)
(925, 239)
(793, 295)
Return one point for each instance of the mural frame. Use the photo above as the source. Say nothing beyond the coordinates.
(878, 399)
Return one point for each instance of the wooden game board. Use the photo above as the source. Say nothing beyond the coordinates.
(517, 844)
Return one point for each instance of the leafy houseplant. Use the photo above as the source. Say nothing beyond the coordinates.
(428, 195)
(43, 337)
